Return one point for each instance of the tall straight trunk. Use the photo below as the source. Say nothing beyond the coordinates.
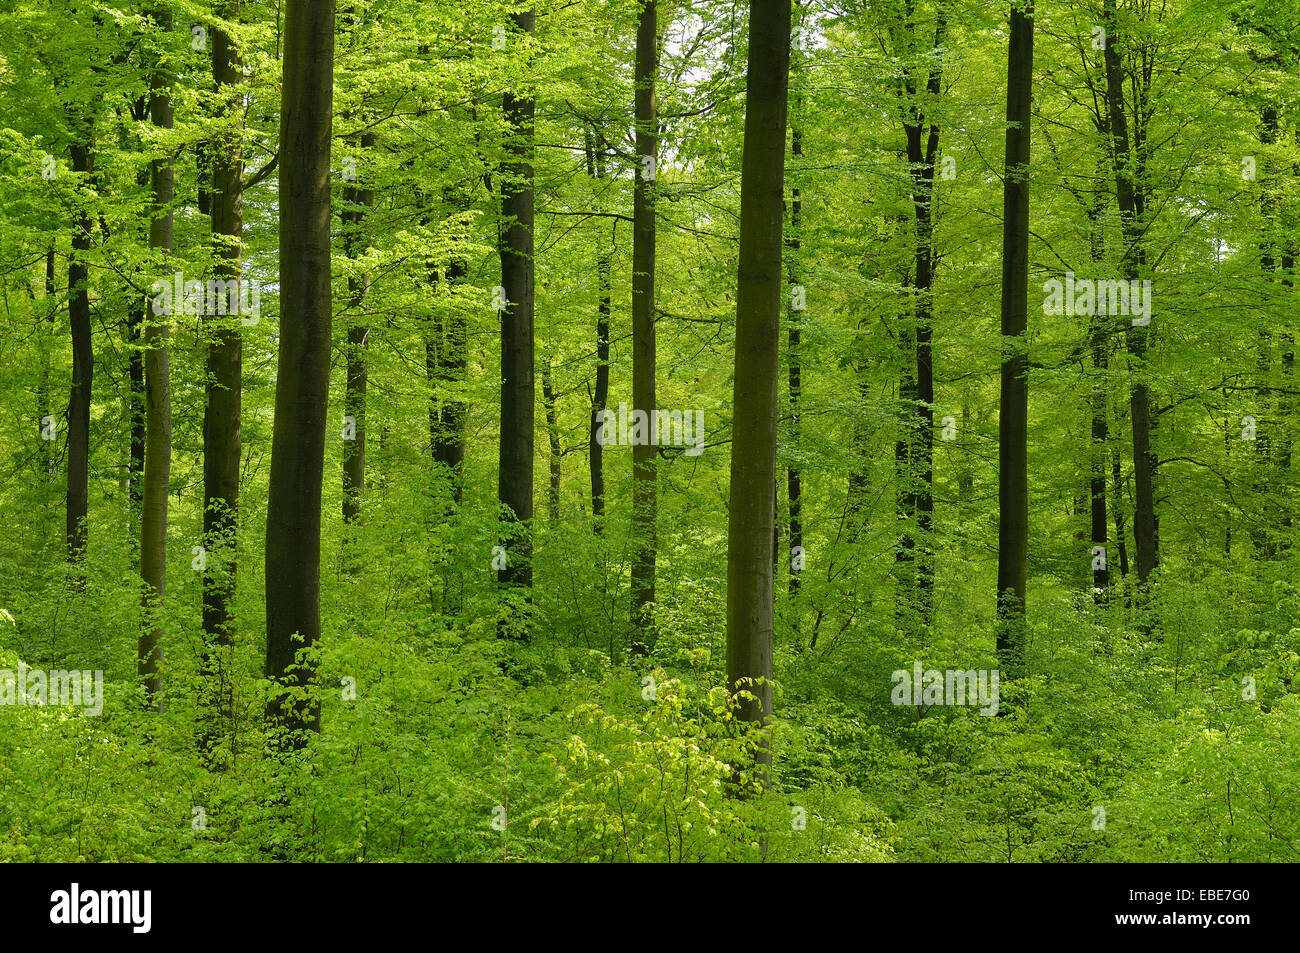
(222, 421)
(357, 203)
(1286, 401)
(794, 473)
(137, 311)
(1261, 536)
(157, 406)
(1100, 431)
(83, 368)
(922, 151)
(302, 382)
(1013, 419)
(1117, 490)
(644, 471)
(46, 333)
(905, 475)
(1130, 202)
(757, 371)
(553, 438)
(515, 458)
(596, 170)
(450, 367)
(135, 318)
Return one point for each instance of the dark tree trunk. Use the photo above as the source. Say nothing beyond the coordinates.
(157, 405)
(302, 383)
(515, 460)
(1286, 402)
(1100, 431)
(1264, 477)
(222, 421)
(794, 473)
(450, 366)
(553, 439)
(757, 371)
(44, 399)
(1117, 491)
(922, 150)
(357, 203)
(83, 368)
(1013, 420)
(644, 471)
(596, 170)
(1130, 202)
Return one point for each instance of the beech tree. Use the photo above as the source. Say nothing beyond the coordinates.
(515, 459)
(644, 483)
(757, 372)
(222, 444)
(293, 518)
(1013, 410)
(157, 393)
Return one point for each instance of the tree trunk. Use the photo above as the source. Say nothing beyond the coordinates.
(222, 439)
(596, 170)
(302, 383)
(757, 374)
(83, 368)
(644, 470)
(553, 438)
(1130, 203)
(157, 407)
(794, 472)
(1100, 431)
(44, 399)
(451, 363)
(922, 150)
(515, 459)
(357, 204)
(1013, 419)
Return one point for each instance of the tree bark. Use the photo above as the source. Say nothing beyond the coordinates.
(644, 463)
(922, 150)
(757, 374)
(596, 171)
(357, 203)
(1131, 202)
(157, 404)
(515, 459)
(794, 472)
(1100, 431)
(450, 367)
(1013, 419)
(302, 383)
(222, 421)
(553, 439)
(83, 366)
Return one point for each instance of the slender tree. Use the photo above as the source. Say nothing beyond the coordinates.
(922, 132)
(448, 370)
(1131, 200)
(599, 399)
(83, 359)
(357, 202)
(515, 459)
(550, 407)
(157, 402)
(222, 420)
(1100, 429)
(794, 472)
(644, 470)
(1013, 420)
